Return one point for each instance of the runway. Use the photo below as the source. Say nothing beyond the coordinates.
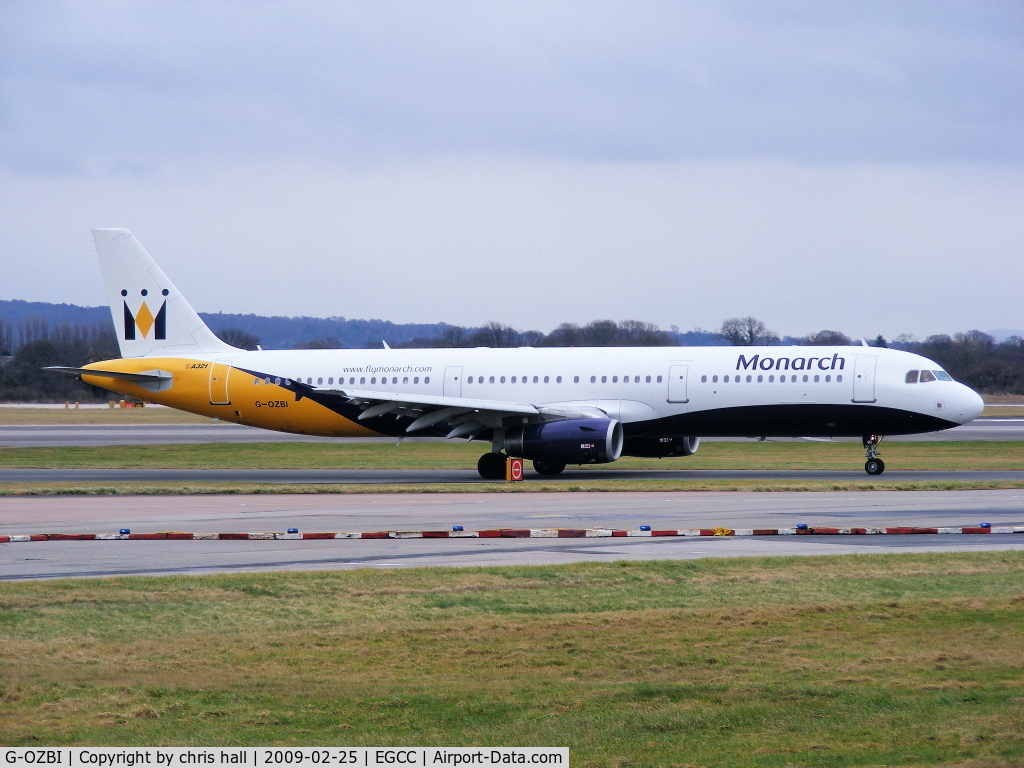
(29, 436)
(441, 511)
(460, 476)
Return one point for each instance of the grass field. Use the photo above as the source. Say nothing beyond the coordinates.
(950, 455)
(981, 455)
(859, 660)
(71, 416)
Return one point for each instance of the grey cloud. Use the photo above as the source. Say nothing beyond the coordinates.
(109, 87)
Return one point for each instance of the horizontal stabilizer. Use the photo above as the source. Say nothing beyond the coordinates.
(148, 378)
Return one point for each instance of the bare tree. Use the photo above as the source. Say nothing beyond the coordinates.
(452, 336)
(599, 333)
(636, 333)
(238, 338)
(747, 332)
(495, 334)
(327, 342)
(827, 339)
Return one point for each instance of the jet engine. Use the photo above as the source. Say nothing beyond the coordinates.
(655, 446)
(572, 441)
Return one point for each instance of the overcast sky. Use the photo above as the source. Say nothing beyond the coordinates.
(855, 166)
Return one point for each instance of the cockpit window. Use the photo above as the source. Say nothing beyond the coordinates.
(911, 377)
(927, 376)
(942, 376)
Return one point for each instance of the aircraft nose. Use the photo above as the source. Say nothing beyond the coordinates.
(971, 405)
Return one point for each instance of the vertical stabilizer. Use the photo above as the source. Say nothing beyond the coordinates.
(150, 316)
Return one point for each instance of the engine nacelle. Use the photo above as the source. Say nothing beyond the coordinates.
(572, 441)
(657, 447)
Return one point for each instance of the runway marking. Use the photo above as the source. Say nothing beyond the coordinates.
(520, 533)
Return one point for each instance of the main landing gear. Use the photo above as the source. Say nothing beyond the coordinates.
(492, 466)
(548, 467)
(874, 465)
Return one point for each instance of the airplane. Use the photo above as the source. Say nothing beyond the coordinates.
(552, 406)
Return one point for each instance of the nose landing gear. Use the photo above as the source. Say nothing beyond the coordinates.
(874, 465)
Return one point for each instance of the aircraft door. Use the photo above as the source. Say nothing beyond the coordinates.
(219, 370)
(677, 383)
(453, 381)
(864, 379)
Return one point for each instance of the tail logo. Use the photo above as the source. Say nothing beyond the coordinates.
(143, 320)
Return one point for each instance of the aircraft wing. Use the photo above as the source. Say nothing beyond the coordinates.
(468, 417)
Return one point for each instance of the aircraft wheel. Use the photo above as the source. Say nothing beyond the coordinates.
(492, 466)
(548, 467)
(874, 466)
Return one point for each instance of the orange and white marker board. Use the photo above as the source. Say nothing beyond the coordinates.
(514, 470)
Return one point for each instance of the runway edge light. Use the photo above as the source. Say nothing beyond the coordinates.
(125, 531)
(457, 528)
(293, 530)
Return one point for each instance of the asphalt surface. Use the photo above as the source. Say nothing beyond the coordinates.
(459, 476)
(374, 512)
(28, 436)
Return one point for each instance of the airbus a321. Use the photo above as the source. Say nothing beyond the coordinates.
(555, 407)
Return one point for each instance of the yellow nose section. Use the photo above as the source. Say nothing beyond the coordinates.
(144, 320)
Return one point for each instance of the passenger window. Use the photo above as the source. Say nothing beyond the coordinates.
(405, 379)
(659, 379)
(373, 380)
(426, 380)
(604, 379)
(648, 379)
(615, 379)
(771, 379)
(714, 379)
(828, 378)
(927, 376)
(469, 380)
(839, 377)
(558, 380)
(513, 379)
(748, 378)
(816, 378)
(547, 379)
(256, 381)
(502, 379)
(760, 378)
(534, 379)
(362, 379)
(491, 379)
(911, 377)
(805, 378)
(416, 380)
(703, 379)
(725, 379)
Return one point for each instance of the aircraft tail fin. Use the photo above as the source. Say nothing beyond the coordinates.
(151, 317)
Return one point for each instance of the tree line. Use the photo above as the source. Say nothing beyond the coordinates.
(37, 344)
(28, 346)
